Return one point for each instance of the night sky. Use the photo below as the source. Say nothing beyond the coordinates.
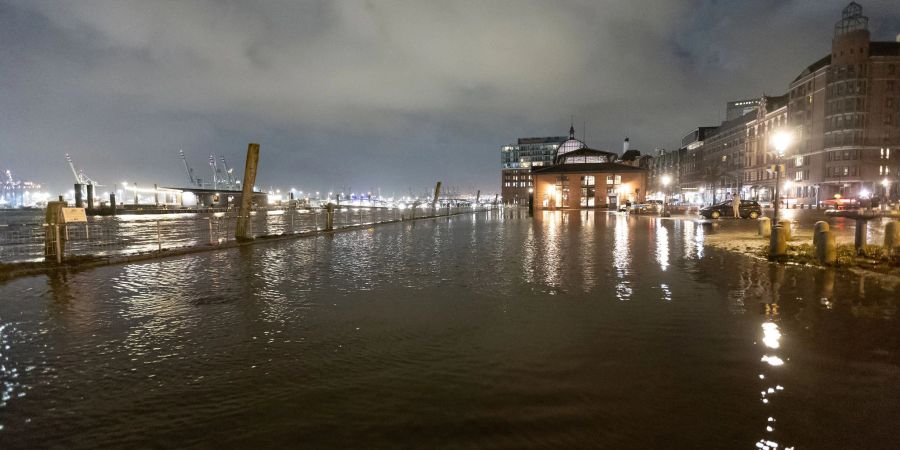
(360, 95)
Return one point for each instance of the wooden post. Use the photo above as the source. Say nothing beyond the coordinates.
(90, 197)
(53, 245)
(79, 199)
(437, 195)
(242, 232)
(329, 217)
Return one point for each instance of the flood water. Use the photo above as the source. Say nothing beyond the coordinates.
(488, 330)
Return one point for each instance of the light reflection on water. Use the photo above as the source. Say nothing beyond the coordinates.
(491, 330)
(622, 257)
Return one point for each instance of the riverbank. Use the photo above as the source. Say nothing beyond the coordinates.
(740, 236)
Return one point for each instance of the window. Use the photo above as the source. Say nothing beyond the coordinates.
(798, 161)
(798, 175)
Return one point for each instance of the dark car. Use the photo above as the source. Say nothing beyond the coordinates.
(749, 209)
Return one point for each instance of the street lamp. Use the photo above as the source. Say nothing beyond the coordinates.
(887, 190)
(666, 179)
(781, 140)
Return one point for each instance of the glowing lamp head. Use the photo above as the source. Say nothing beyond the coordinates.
(885, 183)
(782, 140)
(666, 179)
(530, 190)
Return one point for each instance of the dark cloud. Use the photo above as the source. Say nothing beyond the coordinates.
(379, 93)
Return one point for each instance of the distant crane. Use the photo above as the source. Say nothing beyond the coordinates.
(80, 177)
(190, 172)
(232, 183)
(215, 171)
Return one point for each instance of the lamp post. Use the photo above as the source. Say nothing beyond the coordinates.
(665, 179)
(781, 141)
(886, 184)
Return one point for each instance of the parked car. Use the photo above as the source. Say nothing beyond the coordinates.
(749, 209)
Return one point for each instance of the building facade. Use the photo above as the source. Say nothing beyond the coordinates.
(845, 112)
(516, 161)
(587, 178)
(759, 157)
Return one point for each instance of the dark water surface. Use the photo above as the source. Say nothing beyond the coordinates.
(571, 330)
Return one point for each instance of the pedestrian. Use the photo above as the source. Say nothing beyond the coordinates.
(736, 206)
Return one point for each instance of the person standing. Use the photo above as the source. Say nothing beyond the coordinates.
(736, 205)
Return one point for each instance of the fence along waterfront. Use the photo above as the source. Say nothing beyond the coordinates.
(107, 237)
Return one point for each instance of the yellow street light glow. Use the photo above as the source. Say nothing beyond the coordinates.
(666, 179)
(781, 140)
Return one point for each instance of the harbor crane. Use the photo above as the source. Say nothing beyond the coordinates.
(80, 177)
(232, 183)
(189, 170)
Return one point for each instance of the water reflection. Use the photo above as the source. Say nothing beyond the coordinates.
(662, 245)
(622, 257)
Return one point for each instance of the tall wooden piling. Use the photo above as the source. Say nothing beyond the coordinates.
(90, 196)
(242, 232)
(437, 195)
(53, 236)
(79, 195)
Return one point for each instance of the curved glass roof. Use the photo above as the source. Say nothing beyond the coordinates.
(570, 145)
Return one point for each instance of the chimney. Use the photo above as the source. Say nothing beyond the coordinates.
(625, 145)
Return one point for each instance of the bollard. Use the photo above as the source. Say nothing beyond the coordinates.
(777, 243)
(820, 226)
(112, 204)
(859, 240)
(826, 250)
(329, 217)
(892, 237)
(786, 225)
(765, 226)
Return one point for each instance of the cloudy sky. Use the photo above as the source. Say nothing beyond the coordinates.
(379, 94)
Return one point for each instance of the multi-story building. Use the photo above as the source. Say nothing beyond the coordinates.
(738, 108)
(758, 157)
(722, 161)
(517, 160)
(845, 112)
(689, 183)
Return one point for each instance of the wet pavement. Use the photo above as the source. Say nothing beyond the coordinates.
(493, 330)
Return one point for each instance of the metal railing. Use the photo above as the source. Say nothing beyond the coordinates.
(112, 236)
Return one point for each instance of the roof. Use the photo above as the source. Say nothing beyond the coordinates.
(776, 102)
(631, 155)
(825, 61)
(590, 167)
(584, 151)
(884, 48)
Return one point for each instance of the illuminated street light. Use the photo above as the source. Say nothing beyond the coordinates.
(781, 140)
(666, 180)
